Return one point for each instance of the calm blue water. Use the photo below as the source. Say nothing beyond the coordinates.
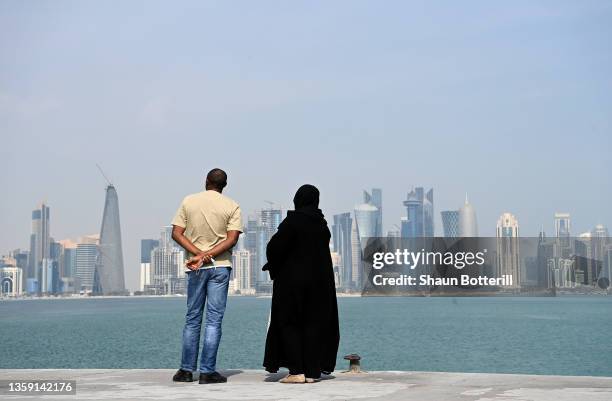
(563, 336)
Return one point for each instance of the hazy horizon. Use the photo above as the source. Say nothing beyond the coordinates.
(510, 103)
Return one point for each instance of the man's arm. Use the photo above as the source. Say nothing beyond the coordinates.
(178, 234)
(204, 257)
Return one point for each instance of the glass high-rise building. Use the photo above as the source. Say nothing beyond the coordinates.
(258, 231)
(68, 263)
(366, 219)
(109, 275)
(450, 223)
(40, 243)
(419, 221)
(146, 248)
(270, 219)
(341, 238)
(86, 256)
(375, 198)
(166, 269)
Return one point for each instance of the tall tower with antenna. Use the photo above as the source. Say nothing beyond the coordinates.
(109, 276)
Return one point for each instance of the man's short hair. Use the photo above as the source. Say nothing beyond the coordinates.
(217, 178)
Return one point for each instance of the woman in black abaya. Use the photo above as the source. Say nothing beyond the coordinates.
(303, 335)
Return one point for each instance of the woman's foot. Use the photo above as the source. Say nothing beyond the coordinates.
(293, 379)
(310, 380)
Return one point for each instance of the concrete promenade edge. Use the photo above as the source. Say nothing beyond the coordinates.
(253, 385)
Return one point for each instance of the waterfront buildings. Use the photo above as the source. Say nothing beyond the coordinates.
(11, 281)
(167, 267)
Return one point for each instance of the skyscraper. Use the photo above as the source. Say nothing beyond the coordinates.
(366, 219)
(356, 275)
(450, 223)
(419, 220)
(167, 266)
(260, 228)
(270, 219)
(252, 242)
(86, 256)
(109, 269)
(375, 198)
(508, 256)
(146, 247)
(341, 236)
(468, 225)
(241, 268)
(68, 258)
(364, 228)
(68, 269)
(40, 243)
(562, 225)
(600, 241)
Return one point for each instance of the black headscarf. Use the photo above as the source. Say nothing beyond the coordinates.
(306, 197)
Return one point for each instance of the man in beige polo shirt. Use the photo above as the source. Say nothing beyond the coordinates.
(207, 226)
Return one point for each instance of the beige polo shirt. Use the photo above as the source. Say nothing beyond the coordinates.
(207, 217)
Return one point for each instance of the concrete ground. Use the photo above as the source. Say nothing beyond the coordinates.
(253, 385)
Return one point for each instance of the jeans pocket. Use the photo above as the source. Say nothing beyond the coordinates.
(221, 274)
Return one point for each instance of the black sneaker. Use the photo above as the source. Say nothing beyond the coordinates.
(182, 376)
(210, 378)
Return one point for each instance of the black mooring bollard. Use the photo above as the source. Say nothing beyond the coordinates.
(354, 364)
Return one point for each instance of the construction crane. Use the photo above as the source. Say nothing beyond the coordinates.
(104, 175)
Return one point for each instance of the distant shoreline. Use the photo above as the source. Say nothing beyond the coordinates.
(339, 295)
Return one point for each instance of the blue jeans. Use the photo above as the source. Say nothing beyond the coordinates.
(204, 286)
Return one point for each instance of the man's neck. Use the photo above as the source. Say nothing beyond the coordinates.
(214, 189)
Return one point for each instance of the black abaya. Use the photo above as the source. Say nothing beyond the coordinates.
(303, 335)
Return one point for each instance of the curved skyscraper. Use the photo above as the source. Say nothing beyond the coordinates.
(366, 226)
(366, 217)
(450, 223)
(109, 278)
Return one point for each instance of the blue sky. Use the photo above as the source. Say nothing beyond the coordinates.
(509, 102)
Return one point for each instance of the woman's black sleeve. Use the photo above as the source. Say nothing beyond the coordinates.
(278, 247)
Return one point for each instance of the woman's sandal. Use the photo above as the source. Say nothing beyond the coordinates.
(293, 379)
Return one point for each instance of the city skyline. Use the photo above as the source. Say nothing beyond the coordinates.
(268, 218)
